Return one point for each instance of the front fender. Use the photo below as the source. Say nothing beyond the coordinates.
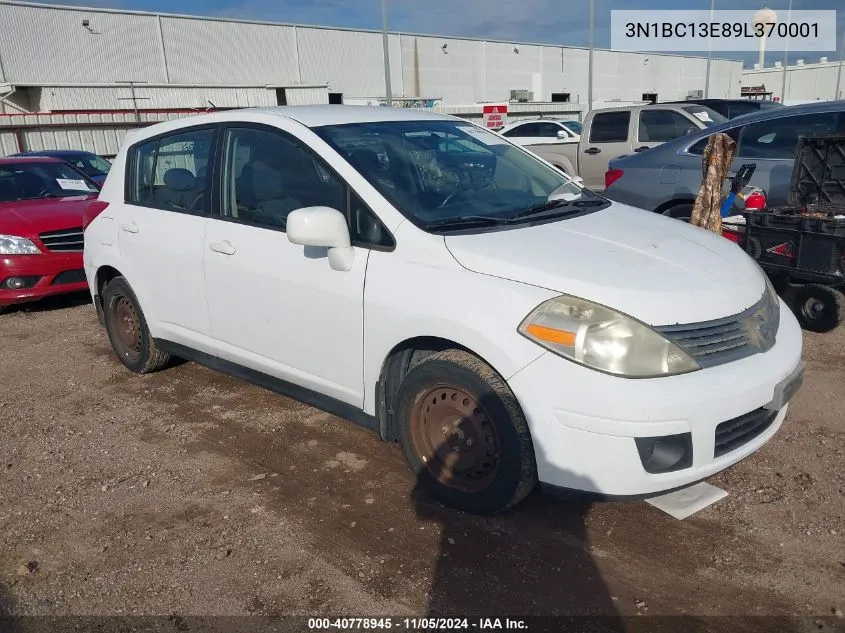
(445, 301)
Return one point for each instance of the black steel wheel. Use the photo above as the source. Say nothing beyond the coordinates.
(818, 308)
(127, 329)
(464, 435)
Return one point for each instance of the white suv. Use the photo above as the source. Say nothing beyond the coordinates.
(426, 278)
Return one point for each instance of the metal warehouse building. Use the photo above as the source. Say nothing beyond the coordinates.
(805, 82)
(102, 67)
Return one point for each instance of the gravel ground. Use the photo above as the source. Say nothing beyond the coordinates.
(189, 492)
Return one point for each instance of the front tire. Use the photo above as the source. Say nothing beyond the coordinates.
(464, 435)
(127, 329)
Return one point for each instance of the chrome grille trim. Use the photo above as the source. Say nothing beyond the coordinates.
(64, 240)
(724, 340)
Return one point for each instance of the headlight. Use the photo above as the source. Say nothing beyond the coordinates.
(603, 339)
(13, 245)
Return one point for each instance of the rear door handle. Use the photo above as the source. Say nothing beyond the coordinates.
(592, 150)
(224, 247)
(129, 227)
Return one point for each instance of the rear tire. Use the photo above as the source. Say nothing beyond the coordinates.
(127, 329)
(464, 435)
(818, 308)
(681, 212)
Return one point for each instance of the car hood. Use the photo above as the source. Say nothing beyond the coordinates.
(658, 270)
(30, 217)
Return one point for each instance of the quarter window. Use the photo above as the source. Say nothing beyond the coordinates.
(169, 172)
(610, 127)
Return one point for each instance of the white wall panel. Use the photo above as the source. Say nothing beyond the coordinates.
(507, 70)
(216, 52)
(456, 75)
(352, 62)
(306, 96)
(44, 45)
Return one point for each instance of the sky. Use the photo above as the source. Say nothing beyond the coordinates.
(563, 22)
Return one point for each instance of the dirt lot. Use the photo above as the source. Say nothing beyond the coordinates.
(189, 492)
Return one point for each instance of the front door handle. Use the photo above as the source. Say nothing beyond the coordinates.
(641, 149)
(592, 150)
(129, 227)
(224, 247)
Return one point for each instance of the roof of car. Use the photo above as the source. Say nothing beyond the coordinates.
(14, 160)
(309, 116)
(762, 103)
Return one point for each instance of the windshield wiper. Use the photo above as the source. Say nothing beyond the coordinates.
(466, 222)
(558, 203)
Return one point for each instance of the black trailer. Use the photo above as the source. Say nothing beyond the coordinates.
(801, 247)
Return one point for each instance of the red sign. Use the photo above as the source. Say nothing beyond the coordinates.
(495, 115)
(775, 98)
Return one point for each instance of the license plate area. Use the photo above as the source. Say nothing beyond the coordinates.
(786, 389)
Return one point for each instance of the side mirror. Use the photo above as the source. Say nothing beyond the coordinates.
(322, 227)
(562, 135)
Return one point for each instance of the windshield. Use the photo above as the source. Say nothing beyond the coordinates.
(26, 181)
(91, 164)
(705, 115)
(443, 172)
(574, 126)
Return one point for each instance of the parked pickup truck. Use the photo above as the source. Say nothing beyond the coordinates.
(615, 132)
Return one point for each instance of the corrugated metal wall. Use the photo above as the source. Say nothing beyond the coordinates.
(55, 98)
(803, 83)
(306, 96)
(44, 45)
(212, 52)
(98, 133)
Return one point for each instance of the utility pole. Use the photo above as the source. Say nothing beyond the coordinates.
(590, 64)
(839, 74)
(386, 45)
(786, 55)
(709, 54)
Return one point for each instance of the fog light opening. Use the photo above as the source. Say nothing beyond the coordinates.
(18, 283)
(665, 454)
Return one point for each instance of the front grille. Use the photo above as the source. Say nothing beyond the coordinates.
(65, 240)
(734, 433)
(712, 342)
(732, 338)
(69, 277)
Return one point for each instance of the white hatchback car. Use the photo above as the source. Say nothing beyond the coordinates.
(427, 278)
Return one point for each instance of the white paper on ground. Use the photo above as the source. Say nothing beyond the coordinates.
(687, 501)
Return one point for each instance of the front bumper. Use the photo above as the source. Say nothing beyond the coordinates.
(57, 273)
(583, 423)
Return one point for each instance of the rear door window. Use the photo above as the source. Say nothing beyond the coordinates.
(663, 125)
(777, 138)
(169, 172)
(610, 127)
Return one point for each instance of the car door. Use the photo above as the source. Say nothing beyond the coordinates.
(658, 126)
(277, 307)
(161, 225)
(608, 138)
(770, 144)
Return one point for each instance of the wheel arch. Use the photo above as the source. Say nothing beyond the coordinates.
(103, 275)
(674, 202)
(395, 366)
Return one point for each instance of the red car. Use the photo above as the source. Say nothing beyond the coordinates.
(42, 201)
